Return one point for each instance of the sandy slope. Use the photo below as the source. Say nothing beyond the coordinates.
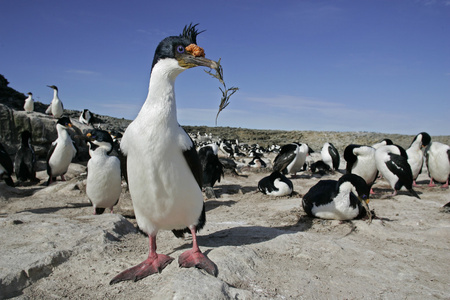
(264, 247)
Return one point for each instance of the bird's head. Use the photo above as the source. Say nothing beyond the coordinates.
(100, 138)
(30, 94)
(184, 50)
(426, 139)
(359, 186)
(53, 87)
(64, 121)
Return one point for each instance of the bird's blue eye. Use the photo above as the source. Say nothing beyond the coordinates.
(180, 49)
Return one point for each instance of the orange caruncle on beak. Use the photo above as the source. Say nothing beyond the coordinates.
(195, 50)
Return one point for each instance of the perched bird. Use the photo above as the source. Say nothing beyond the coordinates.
(384, 142)
(56, 107)
(25, 160)
(164, 171)
(61, 152)
(320, 167)
(85, 117)
(6, 166)
(212, 168)
(345, 199)
(415, 154)
(392, 162)
(438, 163)
(330, 156)
(29, 103)
(361, 161)
(291, 158)
(103, 184)
(276, 184)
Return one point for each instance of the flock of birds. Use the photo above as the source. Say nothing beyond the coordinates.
(166, 169)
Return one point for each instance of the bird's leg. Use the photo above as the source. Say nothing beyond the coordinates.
(62, 178)
(414, 183)
(394, 193)
(155, 263)
(195, 258)
(445, 186)
(431, 184)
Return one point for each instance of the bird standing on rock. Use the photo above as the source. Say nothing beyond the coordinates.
(103, 183)
(164, 171)
(29, 103)
(56, 107)
(25, 160)
(61, 152)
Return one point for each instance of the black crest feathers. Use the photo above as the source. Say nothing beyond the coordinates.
(190, 32)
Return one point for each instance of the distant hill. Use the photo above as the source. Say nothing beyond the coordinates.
(264, 138)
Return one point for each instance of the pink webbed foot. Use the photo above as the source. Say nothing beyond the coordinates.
(148, 267)
(414, 183)
(195, 258)
(371, 191)
(431, 184)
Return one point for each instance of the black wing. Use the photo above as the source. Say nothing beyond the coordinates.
(285, 157)
(195, 165)
(320, 194)
(350, 157)
(266, 185)
(212, 168)
(334, 156)
(398, 165)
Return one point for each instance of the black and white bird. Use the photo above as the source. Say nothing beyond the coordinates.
(291, 158)
(437, 156)
(85, 117)
(361, 161)
(55, 108)
(103, 184)
(25, 160)
(6, 166)
(415, 154)
(164, 171)
(212, 168)
(345, 199)
(330, 156)
(226, 147)
(61, 152)
(319, 167)
(29, 103)
(257, 162)
(276, 184)
(392, 162)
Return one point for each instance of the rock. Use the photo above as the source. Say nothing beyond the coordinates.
(44, 241)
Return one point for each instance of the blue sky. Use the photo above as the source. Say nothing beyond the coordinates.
(381, 66)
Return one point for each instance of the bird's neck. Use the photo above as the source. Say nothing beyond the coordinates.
(55, 94)
(160, 105)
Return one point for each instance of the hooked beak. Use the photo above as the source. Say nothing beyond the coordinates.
(195, 57)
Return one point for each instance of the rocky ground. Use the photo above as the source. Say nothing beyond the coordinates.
(52, 246)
